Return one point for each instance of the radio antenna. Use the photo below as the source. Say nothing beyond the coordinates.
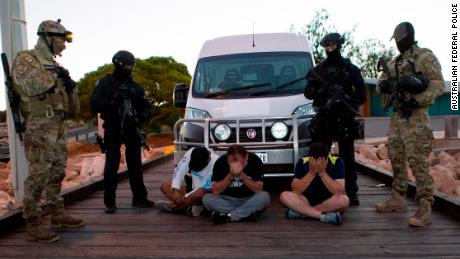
(253, 43)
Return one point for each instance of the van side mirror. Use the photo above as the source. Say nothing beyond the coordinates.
(180, 95)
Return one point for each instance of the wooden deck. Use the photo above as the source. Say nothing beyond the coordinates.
(147, 233)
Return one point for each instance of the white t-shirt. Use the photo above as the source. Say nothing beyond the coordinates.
(200, 179)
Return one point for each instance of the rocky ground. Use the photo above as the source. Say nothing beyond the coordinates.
(445, 166)
(84, 162)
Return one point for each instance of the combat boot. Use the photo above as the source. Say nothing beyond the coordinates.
(41, 234)
(63, 220)
(423, 215)
(397, 202)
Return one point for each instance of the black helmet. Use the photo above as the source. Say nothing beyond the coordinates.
(332, 39)
(404, 35)
(124, 62)
(123, 57)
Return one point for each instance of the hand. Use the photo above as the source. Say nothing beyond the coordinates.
(236, 169)
(69, 85)
(386, 86)
(178, 196)
(62, 72)
(322, 165)
(313, 166)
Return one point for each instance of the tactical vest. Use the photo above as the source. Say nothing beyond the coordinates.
(405, 67)
(51, 100)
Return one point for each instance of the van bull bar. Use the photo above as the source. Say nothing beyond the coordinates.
(278, 154)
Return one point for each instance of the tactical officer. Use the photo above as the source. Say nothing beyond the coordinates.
(48, 97)
(123, 106)
(337, 89)
(410, 85)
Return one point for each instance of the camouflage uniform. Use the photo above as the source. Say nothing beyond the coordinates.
(410, 140)
(45, 105)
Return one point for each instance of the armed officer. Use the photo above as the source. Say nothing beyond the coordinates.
(48, 97)
(123, 106)
(410, 84)
(337, 89)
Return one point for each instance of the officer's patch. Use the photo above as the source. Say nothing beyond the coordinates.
(28, 59)
(22, 69)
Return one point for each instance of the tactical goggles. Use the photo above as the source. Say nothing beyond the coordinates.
(327, 43)
(67, 35)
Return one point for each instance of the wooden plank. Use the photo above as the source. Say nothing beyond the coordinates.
(147, 233)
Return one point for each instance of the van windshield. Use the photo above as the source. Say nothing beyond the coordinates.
(251, 75)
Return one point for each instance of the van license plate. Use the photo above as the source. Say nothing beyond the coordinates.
(263, 157)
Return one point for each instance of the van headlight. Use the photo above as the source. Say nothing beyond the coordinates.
(196, 114)
(222, 132)
(279, 130)
(304, 110)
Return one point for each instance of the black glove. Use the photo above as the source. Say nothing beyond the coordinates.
(68, 82)
(386, 86)
(414, 84)
(69, 85)
(62, 73)
(407, 107)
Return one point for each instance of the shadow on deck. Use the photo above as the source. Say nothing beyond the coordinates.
(146, 233)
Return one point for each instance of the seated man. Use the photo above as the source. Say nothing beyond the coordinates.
(196, 164)
(318, 187)
(236, 187)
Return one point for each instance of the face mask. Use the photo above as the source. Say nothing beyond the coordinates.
(58, 46)
(405, 43)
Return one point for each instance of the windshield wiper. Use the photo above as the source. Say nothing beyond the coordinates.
(237, 89)
(278, 87)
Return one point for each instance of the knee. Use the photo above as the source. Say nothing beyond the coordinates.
(165, 186)
(207, 199)
(285, 197)
(263, 196)
(341, 200)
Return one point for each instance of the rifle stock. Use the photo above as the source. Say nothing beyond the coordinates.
(13, 97)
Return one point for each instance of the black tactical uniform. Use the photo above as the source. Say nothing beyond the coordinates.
(334, 120)
(109, 93)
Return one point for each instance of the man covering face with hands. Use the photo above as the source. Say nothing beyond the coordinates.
(318, 187)
(236, 187)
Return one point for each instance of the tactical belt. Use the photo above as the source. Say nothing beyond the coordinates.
(49, 113)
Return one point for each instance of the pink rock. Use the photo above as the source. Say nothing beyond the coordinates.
(457, 156)
(68, 185)
(369, 152)
(70, 175)
(6, 200)
(447, 160)
(385, 164)
(444, 182)
(99, 163)
(445, 170)
(382, 152)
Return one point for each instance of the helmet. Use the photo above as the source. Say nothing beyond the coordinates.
(332, 39)
(52, 28)
(123, 57)
(403, 30)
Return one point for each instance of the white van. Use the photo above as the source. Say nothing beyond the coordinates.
(248, 90)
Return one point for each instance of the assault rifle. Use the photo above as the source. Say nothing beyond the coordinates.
(13, 98)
